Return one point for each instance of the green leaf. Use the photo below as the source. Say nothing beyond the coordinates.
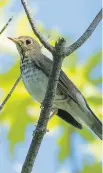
(64, 143)
(92, 62)
(86, 134)
(95, 168)
(96, 81)
(10, 77)
(15, 112)
(3, 3)
(17, 117)
(70, 62)
(95, 100)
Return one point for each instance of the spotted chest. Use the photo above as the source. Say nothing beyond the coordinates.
(35, 81)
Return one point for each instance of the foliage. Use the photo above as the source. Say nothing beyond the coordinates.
(96, 168)
(3, 3)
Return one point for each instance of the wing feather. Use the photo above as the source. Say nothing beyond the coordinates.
(65, 85)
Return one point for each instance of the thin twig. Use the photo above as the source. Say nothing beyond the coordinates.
(85, 36)
(10, 93)
(8, 96)
(36, 32)
(6, 25)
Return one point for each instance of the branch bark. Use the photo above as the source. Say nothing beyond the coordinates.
(10, 93)
(3, 29)
(33, 26)
(85, 36)
(45, 111)
(8, 96)
(59, 52)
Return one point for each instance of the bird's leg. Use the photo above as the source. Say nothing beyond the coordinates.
(41, 106)
(62, 100)
(53, 112)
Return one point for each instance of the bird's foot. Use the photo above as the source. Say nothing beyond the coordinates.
(54, 112)
(41, 106)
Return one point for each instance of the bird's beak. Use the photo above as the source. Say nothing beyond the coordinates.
(13, 39)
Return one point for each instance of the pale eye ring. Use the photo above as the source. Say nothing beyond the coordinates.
(28, 42)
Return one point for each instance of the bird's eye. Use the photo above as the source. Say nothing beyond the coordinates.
(28, 42)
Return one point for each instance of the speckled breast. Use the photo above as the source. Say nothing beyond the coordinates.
(34, 80)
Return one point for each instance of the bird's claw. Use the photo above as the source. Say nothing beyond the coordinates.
(41, 106)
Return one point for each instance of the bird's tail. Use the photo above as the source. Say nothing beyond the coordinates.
(68, 118)
(96, 125)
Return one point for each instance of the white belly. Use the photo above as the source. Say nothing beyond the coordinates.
(35, 83)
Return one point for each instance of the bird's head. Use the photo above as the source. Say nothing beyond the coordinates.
(26, 44)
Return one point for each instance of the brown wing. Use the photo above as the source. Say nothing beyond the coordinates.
(65, 84)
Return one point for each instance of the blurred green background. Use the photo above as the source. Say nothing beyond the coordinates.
(64, 149)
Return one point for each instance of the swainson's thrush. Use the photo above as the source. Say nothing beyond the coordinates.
(71, 105)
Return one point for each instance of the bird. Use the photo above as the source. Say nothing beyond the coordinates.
(69, 103)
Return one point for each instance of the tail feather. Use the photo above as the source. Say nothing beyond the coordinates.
(96, 125)
(68, 118)
(97, 128)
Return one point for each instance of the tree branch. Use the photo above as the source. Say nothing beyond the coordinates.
(85, 36)
(8, 96)
(10, 93)
(33, 26)
(6, 25)
(45, 111)
(59, 52)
